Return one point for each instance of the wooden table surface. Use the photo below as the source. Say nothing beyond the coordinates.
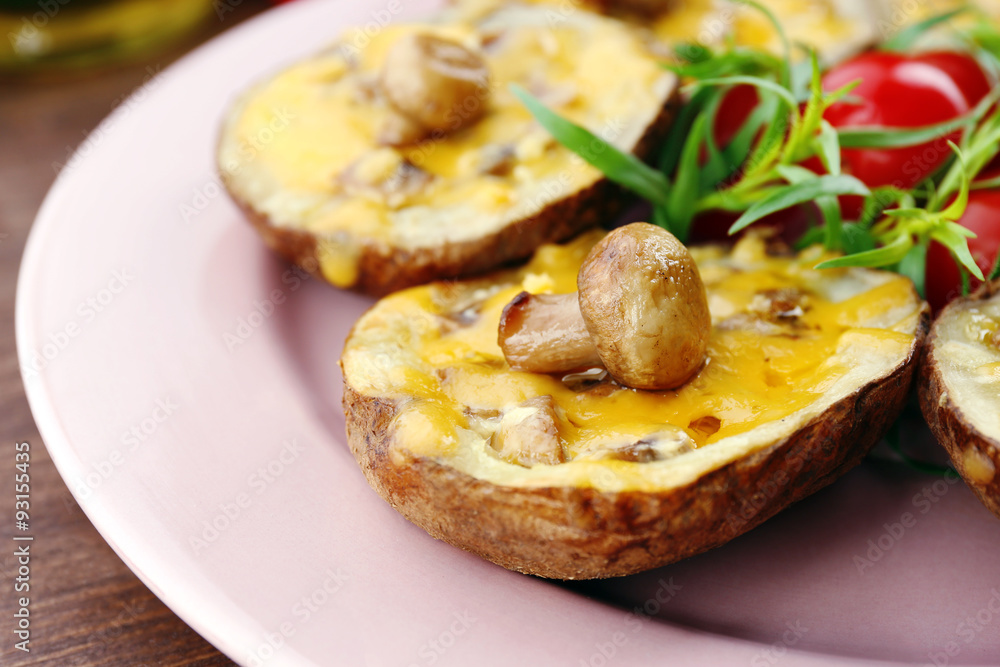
(87, 608)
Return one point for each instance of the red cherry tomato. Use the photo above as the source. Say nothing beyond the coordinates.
(735, 107)
(963, 70)
(903, 91)
(982, 216)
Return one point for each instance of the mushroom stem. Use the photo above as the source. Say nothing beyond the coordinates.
(545, 333)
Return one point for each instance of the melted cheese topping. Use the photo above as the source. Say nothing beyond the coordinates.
(900, 13)
(302, 148)
(434, 350)
(968, 355)
(835, 28)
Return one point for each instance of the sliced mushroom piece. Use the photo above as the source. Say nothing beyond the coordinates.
(586, 379)
(528, 434)
(398, 129)
(496, 159)
(552, 95)
(386, 175)
(668, 442)
(706, 425)
(658, 446)
(751, 323)
(780, 304)
(641, 302)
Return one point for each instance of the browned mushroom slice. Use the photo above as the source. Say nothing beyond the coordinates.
(778, 305)
(659, 445)
(528, 434)
(384, 175)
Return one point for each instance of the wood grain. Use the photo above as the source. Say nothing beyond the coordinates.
(87, 608)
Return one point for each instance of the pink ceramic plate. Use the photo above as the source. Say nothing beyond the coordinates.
(186, 384)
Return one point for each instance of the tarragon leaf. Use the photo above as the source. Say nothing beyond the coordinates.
(684, 194)
(798, 193)
(857, 238)
(622, 168)
(828, 205)
(756, 81)
(739, 148)
(914, 266)
(954, 236)
(896, 137)
(681, 128)
(995, 271)
(904, 40)
(887, 255)
(828, 147)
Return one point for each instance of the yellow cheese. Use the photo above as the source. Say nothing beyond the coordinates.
(835, 28)
(303, 147)
(822, 24)
(754, 376)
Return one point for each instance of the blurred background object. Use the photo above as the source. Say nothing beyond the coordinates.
(47, 35)
(88, 607)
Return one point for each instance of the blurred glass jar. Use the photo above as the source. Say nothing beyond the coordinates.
(43, 35)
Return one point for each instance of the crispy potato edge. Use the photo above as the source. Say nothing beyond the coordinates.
(384, 269)
(583, 533)
(948, 423)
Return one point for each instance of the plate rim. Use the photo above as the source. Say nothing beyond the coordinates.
(225, 629)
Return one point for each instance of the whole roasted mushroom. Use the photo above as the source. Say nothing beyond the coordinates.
(640, 311)
(433, 84)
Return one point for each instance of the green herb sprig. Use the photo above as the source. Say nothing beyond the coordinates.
(760, 171)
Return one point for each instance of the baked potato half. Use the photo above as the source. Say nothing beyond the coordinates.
(960, 389)
(576, 476)
(405, 157)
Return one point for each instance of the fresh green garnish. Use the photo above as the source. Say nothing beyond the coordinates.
(761, 171)
(622, 168)
(906, 39)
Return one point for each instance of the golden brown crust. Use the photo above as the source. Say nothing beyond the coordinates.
(582, 533)
(972, 452)
(384, 269)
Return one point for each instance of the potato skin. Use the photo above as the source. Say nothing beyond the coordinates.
(384, 269)
(946, 419)
(582, 533)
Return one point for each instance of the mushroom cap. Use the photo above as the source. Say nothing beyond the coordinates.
(645, 306)
(435, 81)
